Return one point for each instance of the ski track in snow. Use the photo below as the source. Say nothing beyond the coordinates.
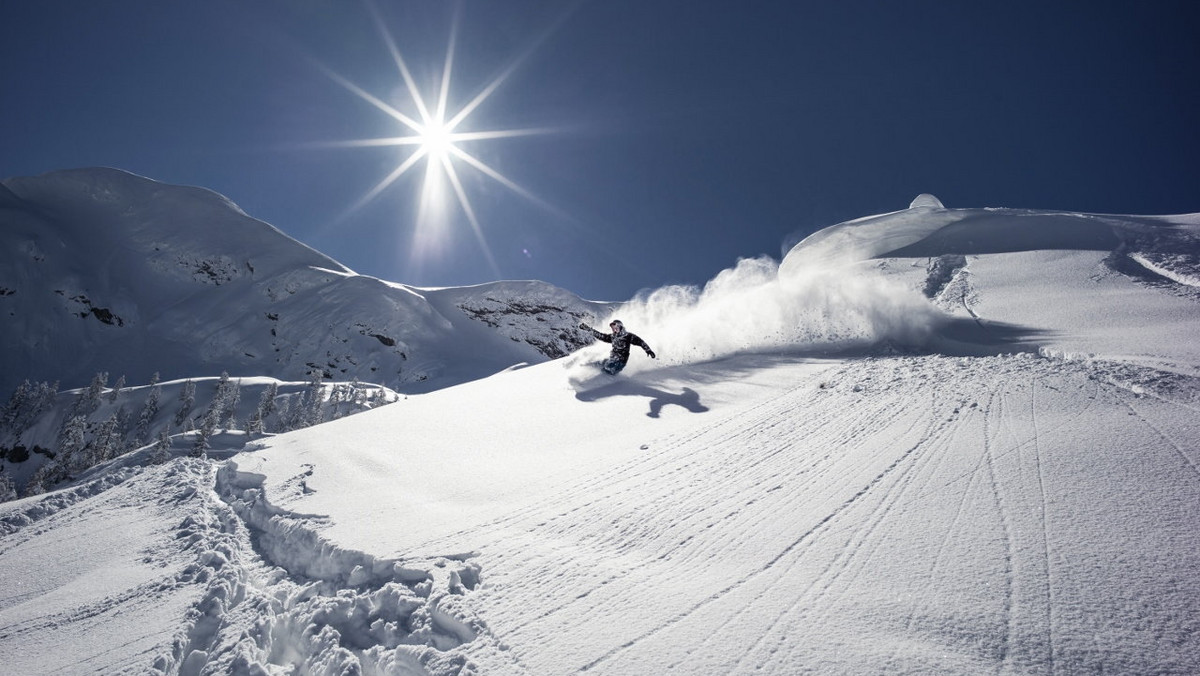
(258, 589)
(783, 520)
(787, 520)
(865, 519)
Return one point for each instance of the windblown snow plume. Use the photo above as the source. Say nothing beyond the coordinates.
(822, 303)
(833, 291)
(752, 306)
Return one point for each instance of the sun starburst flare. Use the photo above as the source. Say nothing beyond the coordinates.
(434, 136)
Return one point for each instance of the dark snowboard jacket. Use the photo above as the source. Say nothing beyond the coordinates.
(620, 343)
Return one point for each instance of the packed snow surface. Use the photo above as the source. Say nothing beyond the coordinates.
(934, 441)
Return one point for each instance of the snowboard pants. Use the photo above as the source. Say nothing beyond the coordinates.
(612, 366)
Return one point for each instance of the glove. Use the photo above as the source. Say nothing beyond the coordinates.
(584, 326)
(650, 353)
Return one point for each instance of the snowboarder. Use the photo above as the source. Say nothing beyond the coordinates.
(621, 340)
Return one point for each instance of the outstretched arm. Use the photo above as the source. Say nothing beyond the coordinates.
(636, 340)
(606, 337)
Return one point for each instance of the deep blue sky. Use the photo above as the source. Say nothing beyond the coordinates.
(688, 133)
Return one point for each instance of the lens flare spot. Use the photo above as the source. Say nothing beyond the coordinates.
(437, 140)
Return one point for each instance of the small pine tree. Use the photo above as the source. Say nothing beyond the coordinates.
(200, 447)
(106, 444)
(39, 482)
(314, 398)
(232, 399)
(40, 397)
(45, 395)
(116, 390)
(254, 424)
(222, 385)
(266, 405)
(208, 426)
(71, 439)
(335, 393)
(123, 426)
(90, 399)
(162, 448)
(149, 410)
(283, 415)
(220, 398)
(187, 399)
(19, 401)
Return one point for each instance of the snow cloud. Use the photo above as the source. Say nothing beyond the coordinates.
(760, 305)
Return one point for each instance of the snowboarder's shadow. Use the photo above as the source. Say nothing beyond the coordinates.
(688, 399)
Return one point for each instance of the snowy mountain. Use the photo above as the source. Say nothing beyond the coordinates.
(932, 441)
(101, 270)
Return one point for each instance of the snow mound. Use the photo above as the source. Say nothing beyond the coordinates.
(925, 200)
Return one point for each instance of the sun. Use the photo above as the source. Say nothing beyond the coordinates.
(432, 140)
(436, 140)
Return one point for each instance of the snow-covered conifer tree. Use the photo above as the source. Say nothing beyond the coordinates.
(254, 424)
(283, 415)
(222, 385)
(208, 426)
(200, 447)
(149, 410)
(314, 398)
(187, 399)
(220, 399)
(44, 396)
(70, 442)
(232, 399)
(266, 404)
(19, 400)
(33, 403)
(89, 399)
(116, 390)
(106, 444)
(162, 448)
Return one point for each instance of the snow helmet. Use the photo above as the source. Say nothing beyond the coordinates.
(616, 326)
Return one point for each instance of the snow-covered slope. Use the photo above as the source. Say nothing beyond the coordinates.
(932, 448)
(1068, 284)
(101, 270)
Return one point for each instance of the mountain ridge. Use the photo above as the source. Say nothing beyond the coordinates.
(142, 276)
